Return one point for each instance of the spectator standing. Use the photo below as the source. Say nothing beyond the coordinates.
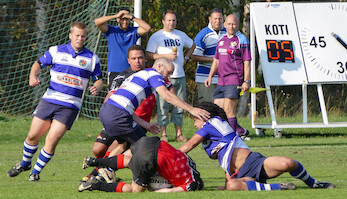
(206, 43)
(232, 61)
(169, 43)
(119, 39)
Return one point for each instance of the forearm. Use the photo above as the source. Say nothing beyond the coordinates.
(174, 189)
(190, 50)
(35, 69)
(144, 27)
(214, 68)
(154, 56)
(104, 19)
(247, 71)
(199, 58)
(140, 121)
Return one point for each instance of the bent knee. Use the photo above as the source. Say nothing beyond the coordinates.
(99, 150)
(288, 164)
(236, 185)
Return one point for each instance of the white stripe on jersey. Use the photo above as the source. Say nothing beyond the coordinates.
(51, 94)
(72, 81)
(222, 126)
(64, 58)
(225, 163)
(124, 102)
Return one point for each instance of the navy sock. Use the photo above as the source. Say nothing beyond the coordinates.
(301, 173)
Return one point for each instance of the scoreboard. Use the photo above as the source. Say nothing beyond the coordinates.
(301, 43)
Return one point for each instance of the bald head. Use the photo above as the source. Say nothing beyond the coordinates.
(164, 66)
(231, 24)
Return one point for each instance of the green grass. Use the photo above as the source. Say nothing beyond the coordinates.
(323, 152)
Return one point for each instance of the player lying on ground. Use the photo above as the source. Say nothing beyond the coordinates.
(245, 170)
(147, 156)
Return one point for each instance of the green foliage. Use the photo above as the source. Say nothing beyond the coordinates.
(192, 16)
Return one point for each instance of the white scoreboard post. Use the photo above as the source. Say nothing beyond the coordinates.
(299, 44)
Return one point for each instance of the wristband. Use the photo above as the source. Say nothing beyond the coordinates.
(248, 82)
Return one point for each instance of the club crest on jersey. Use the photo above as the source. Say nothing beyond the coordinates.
(221, 43)
(69, 80)
(233, 44)
(82, 62)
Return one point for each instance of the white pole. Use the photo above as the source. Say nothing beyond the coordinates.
(138, 14)
(253, 79)
(322, 104)
(304, 103)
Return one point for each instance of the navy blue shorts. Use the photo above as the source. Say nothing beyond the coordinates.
(253, 167)
(48, 111)
(229, 91)
(118, 123)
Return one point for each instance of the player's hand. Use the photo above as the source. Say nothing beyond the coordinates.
(245, 86)
(208, 82)
(127, 15)
(93, 90)
(153, 128)
(172, 56)
(200, 113)
(34, 81)
(121, 13)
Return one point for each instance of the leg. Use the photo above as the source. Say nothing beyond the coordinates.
(205, 94)
(37, 129)
(162, 116)
(276, 165)
(177, 113)
(56, 132)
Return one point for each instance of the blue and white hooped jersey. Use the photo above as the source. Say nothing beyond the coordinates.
(135, 89)
(220, 141)
(206, 42)
(70, 73)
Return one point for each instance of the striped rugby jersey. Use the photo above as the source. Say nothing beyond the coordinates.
(220, 141)
(70, 73)
(135, 89)
(206, 43)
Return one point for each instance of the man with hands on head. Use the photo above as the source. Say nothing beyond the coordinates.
(119, 39)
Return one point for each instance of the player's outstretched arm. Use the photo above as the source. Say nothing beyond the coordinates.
(151, 127)
(194, 141)
(176, 101)
(174, 189)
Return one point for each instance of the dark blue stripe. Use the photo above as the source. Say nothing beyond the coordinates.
(71, 70)
(66, 89)
(139, 81)
(156, 81)
(54, 101)
(30, 150)
(148, 91)
(128, 95)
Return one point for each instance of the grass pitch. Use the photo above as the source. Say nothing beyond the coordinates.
(323, 152)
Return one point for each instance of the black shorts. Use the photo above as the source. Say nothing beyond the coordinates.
(104, 138)
(143, 164)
